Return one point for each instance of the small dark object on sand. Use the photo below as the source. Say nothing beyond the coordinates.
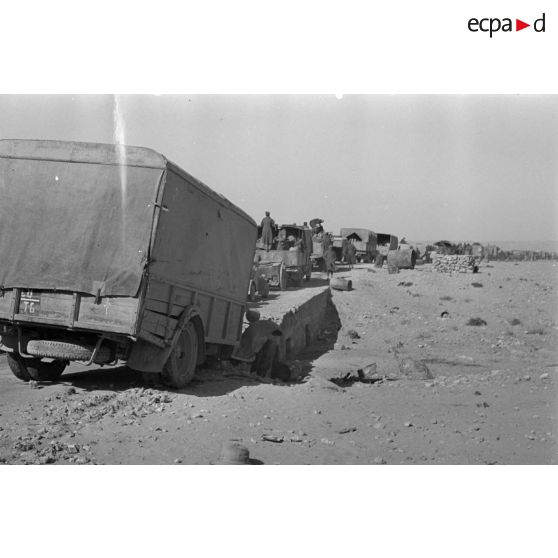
(476, 322)
(365, 376)
(475, 284)
(353, 334)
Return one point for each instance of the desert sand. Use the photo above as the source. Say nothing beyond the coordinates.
(439, 392)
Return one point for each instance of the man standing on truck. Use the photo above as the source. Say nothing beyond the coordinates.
(267, 231)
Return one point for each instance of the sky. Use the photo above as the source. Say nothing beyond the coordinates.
(427, 167)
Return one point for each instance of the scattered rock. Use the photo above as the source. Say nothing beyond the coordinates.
(347, 429)
(270, 438)
(476, 322)
(353, 334)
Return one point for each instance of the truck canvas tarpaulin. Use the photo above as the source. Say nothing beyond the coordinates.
(108, 239)
(67, 222)
(364, 241)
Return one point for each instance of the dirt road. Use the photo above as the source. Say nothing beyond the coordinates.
(447, 392)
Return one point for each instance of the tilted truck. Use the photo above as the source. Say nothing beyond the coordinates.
(111, 253)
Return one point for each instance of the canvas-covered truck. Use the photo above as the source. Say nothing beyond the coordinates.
(115, 254)
(364, 241)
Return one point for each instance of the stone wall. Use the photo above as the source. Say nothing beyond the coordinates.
(454, 264)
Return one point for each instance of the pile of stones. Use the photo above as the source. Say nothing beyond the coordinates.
(454, 264)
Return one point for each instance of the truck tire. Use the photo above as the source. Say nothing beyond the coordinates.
(18, 367)
(180, 368)
(63, 350)
(46, 371)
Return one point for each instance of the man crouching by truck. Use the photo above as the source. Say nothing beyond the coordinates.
(259, 347)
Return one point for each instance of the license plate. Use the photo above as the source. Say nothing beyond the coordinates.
(29, 302)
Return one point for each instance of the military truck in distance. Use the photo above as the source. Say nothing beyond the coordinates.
(364, 241)
(114, 253)
(289, 260)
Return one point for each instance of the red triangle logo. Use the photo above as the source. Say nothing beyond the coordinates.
(519, 25)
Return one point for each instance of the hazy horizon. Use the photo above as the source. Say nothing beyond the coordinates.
(456, 167)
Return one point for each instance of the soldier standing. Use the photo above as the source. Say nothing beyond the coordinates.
(267, 231)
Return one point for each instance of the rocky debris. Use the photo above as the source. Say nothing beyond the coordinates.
(352, 334)
(454, 264)
(61, 417)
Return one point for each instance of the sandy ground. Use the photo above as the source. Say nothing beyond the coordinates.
(447, 392)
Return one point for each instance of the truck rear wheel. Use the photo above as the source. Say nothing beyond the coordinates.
(46, 371)
(18, 367)
(180, 368)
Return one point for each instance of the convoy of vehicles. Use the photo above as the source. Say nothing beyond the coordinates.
(115, 254)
